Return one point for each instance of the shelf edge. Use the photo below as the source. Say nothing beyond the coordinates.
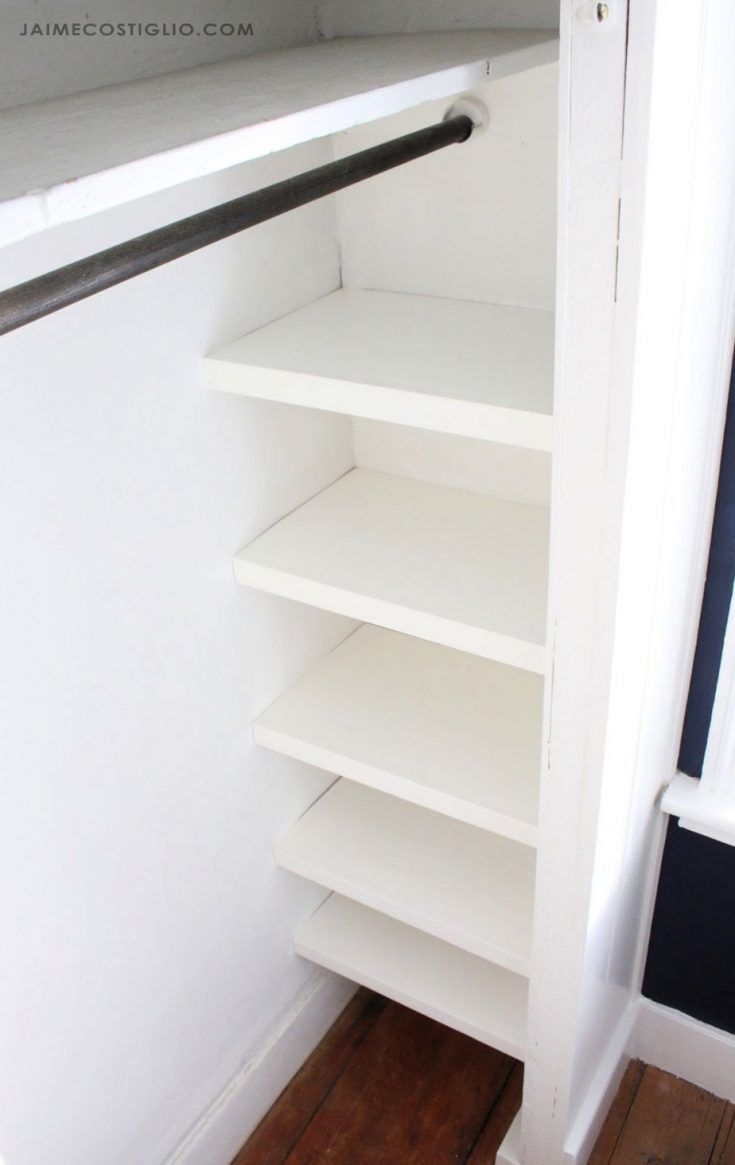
(494, 645)
(497, 423)
(490, 952)
(394, 785)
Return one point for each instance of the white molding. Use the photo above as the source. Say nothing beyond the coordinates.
(228, 1121)
(686, 1047)
(509, 1152)
(700, 809)
(718, 770)
(602, 1090)
(595, 1105)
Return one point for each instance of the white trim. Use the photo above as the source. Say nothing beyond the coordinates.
(686, 1047)
(708, 806)
(509, 1152)
(700, 809)
(226, 1124)
(596, 1103)
(718, 770)
(602, 1090)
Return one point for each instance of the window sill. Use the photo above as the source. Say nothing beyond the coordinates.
(699, 810)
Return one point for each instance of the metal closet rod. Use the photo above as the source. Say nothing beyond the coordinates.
(48, 293)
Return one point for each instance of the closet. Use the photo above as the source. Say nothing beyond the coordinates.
(436, 426)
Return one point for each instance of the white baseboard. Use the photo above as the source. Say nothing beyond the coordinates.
(601, 1091)
(509, 1152)
(686, 1047)
(600, 1094)
(228, 1122)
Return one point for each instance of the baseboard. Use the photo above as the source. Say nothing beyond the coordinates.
(686, 1047)
(601, 1091)
(509, 1152)
(585, 1129)
(228, 1122)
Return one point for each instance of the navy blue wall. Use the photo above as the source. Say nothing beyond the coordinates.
(691, 956)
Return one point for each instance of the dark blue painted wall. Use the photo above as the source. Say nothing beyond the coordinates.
(691, 956)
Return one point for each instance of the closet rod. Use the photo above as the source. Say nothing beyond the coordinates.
(48, 293)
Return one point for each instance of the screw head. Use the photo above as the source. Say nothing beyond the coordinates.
(602, 11)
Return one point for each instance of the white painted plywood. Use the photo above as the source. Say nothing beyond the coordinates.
(476, 223)
(443, 564)
(440, 728)
(70, 157)
(482, 467)
(472, 369)
(509, 1152)
(485, 1002)
(456, 882)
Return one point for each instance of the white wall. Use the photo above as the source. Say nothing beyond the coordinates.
(33, 67)
(355, 17)
(477, 222)
(482, 217)
(146, 934)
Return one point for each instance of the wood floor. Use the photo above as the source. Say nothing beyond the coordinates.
(388, 1087)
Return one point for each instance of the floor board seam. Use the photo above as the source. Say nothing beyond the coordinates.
(501, 1092)
(333, 1085)
(716, 1146)
(626, 1115)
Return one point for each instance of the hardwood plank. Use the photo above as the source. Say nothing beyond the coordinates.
(724, 1150)
(415, 1092)
(499, 1120)
(291, 1113)
(669, 1121)
(618, 1114)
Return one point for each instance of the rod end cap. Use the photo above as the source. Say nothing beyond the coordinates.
(471, 107)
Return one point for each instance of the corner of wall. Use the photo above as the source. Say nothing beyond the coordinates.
(224, 1126)
(322, 23)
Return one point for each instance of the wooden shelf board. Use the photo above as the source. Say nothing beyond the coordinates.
(74, 156)
(460, 884)
(443, 564)
(485, 1002)
(440, 728)
(472, 369)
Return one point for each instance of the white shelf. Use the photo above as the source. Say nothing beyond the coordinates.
(444, 564)
(460, 990)
(70, 157)
(458, 883)
(473, 369)
(440, 728)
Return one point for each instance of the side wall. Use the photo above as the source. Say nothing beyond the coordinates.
(474, 222)
(146, 933)
(584, 530)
